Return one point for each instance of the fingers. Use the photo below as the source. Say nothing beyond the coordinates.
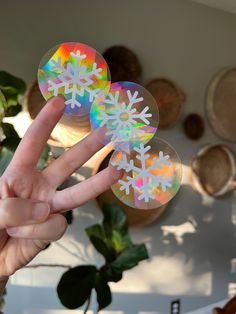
(71, 160)
(82, 192)
(50, 230)
(32, 144)
(17, 211)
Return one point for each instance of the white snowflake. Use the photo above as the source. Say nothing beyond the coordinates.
(124, 117)
(75, 79)
(144, 173)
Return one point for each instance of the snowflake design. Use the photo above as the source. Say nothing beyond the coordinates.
(124, 116)
(144, 173)
(75, 79)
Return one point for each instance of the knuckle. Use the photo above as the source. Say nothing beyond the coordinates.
(61, 227)
(6, 211)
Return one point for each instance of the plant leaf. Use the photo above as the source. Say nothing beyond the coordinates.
(130, 257)
(114, 219)
(111, 274)
(9, 80)
(9, 90)
(69, 216)
(120, 241)
(13, 110)
(12, 138)
(104, 297)
(5, 158)
(76, 285)
(98, 238)
(3, 103)
(43, 158)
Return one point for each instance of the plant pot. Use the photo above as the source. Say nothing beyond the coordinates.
(136, 217)
(68, 131)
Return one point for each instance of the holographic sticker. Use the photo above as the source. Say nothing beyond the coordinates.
(152, 174)
(76, 71)
(129, 114)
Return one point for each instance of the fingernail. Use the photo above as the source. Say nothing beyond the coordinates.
(118, 174)
(40, 211)
(12, 231)
(60, 101)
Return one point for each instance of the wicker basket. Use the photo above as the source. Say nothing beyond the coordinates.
(68, 131)
(170, 100)
(194, 126)
(123, 63)
(213, 170)
(220, 104)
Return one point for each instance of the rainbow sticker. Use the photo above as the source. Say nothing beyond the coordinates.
(129, 114)
(152, 174)
(76, 71)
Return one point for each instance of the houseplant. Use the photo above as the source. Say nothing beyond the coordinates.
(111, 239)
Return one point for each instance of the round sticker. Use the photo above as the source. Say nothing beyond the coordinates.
(76, 71)
(128, 113)
(152, 174)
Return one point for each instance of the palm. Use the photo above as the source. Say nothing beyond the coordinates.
(22, 180)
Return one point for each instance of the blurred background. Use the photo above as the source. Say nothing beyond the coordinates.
(184, 52)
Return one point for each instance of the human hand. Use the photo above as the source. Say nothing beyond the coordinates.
(30, 204)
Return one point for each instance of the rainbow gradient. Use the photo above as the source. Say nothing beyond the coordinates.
(63, 52)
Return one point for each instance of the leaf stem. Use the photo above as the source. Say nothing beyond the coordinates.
(88, 304)
(48, 265)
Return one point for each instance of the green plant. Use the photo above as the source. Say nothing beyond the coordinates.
(2, 301)
(112, 240)
(11, 92)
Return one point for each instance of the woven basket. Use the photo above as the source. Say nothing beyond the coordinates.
(221, 104)
(68, 131)
(213, 170)
(194, 126)
(123, 64)
(170, 100)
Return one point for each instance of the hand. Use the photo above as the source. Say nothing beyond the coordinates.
(30, 204)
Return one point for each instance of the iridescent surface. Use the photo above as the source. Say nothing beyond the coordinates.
(76, 71)
(129, 113)
(152, 174)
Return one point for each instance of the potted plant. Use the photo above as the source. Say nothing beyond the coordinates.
(111, 239)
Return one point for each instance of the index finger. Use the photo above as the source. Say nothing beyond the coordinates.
(31, 146)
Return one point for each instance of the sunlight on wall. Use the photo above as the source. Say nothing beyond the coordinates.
(21, 122)
(160, 274)
(233, 265)
(231, 290)
(234, 214)
(179, 231)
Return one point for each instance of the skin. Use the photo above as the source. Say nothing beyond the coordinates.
(30, 205)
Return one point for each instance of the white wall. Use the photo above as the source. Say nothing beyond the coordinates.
(175, 38)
